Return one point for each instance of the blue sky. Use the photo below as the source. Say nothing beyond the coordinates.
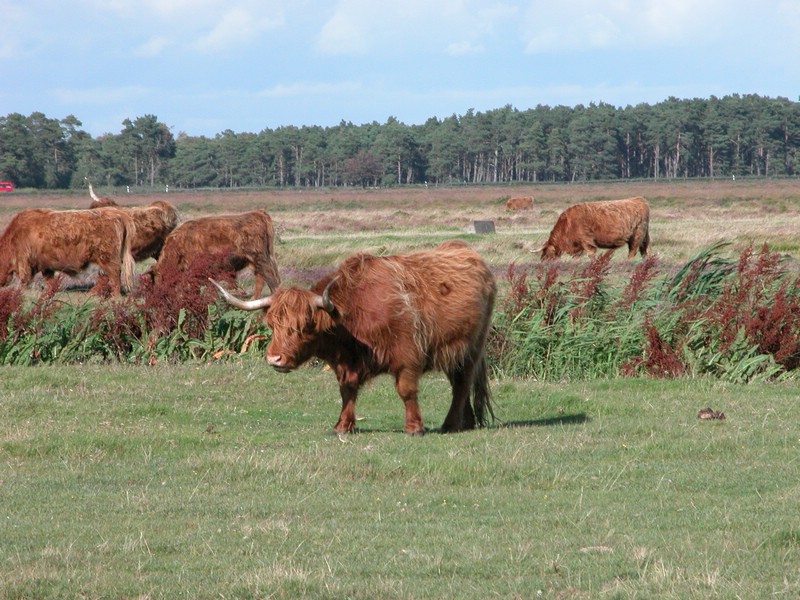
(204, 66)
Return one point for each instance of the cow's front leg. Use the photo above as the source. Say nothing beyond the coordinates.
(265, 273)
(258, 286)
(407, 383)
(348, 388)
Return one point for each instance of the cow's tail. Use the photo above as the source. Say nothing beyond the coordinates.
(128, 264)
(481, 395)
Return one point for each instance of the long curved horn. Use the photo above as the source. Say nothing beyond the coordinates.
(243, 304)
(324, 301)
(92, 195)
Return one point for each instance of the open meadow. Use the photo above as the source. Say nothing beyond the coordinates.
(221, 478)
(319, 227)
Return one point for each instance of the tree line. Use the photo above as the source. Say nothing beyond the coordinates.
(746, 135)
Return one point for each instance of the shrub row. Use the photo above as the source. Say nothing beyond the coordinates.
(735, 320)
(176, 319)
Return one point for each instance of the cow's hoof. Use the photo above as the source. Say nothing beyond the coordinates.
(450, 429)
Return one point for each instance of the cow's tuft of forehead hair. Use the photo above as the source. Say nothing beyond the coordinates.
(292, 309)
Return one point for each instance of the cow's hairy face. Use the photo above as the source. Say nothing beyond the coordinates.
(295, 322)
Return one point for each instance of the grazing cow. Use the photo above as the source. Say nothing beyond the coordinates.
(608, 224)
(45, 241)
(522, 203)
(244, 240)
(153, 223)
(404, 315)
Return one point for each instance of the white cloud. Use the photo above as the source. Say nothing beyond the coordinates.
(358, 27)
(464, 48)
(203, 25)
(153, 47)
(101, 95)
(106, 60)
(310, 89)
(342, 35)
(600, 24)
(234, 27)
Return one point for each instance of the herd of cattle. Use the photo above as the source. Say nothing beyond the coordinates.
(404, 314)
(114, 238)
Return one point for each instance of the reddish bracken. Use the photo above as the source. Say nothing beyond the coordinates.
(11, 299)
(661, 359)
(587, 285)
(642, 276)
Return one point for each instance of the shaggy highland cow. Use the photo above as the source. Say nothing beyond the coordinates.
(45, 241)
(241, 241)
(583, 228)
(405, 315)
(521, 203)
(153, 223)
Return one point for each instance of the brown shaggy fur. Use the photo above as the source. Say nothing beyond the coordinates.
(45, 241)
(583, 228)
(404, 315)
(153, 223)
(522, 203)
(245, 240)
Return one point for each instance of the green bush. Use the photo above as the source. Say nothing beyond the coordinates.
(174, 319)
(733, 320)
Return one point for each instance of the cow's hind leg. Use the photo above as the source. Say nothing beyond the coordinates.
(638, 243)
(113, 271)
(407, 383)
(25, 276)
(460, 416)
(633, 246)
(644, 246)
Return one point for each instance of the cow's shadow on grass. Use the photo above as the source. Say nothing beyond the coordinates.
(576, 419)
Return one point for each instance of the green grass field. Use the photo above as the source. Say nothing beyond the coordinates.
(223, 481)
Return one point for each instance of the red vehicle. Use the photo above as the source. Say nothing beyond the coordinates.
(6, 186)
